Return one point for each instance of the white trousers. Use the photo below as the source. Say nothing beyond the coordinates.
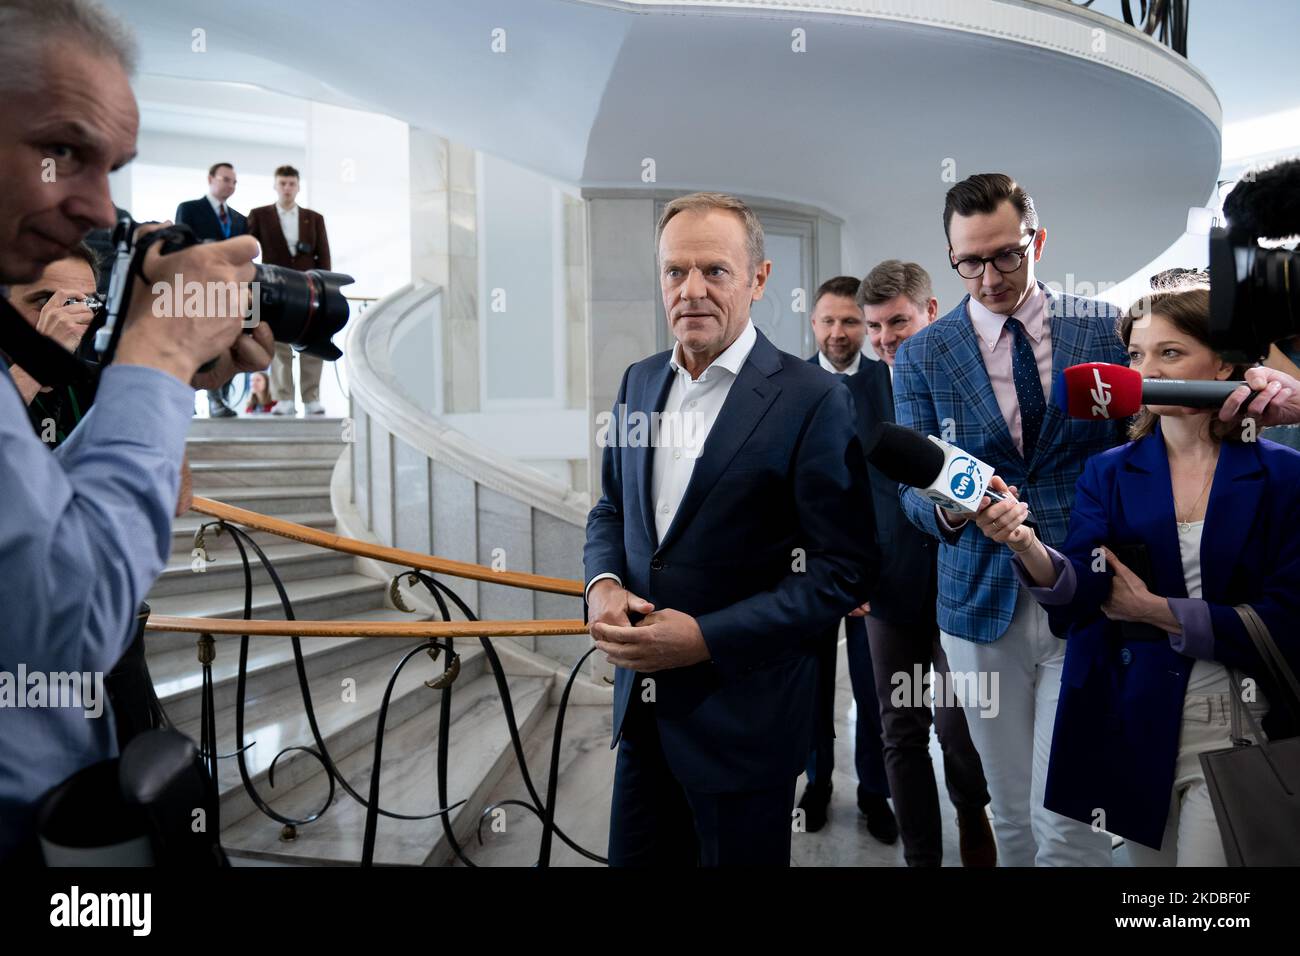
(1009, 689)
(1191, 835)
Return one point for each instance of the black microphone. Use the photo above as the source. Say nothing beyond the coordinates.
(953, 479)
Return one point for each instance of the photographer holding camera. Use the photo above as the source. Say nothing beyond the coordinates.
(85, 531)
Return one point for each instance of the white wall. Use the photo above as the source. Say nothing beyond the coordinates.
(354, 167)
(357, 165)
(521, 253)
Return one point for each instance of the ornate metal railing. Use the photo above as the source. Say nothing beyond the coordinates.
(1165, 20)
(438, 640)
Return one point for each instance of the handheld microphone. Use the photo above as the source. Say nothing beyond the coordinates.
(951, 478)
(1100, 391)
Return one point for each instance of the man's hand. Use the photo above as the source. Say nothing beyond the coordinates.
(1278, 402)
(179, 344)
(609, 603)
(662, 640)
(861, 611)
(1000, 519)
(65, 324)
(250, 353)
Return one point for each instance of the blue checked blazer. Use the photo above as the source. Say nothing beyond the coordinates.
(940, 379)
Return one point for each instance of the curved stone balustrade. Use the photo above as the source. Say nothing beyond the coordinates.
(413, 482)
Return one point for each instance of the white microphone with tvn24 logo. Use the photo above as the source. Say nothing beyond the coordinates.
(953, 479)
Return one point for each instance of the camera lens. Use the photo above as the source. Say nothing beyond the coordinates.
(303, 309)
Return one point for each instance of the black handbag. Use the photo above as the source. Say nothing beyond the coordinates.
(153, 806)
(1255, 786)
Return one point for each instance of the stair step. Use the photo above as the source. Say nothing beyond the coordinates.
(318, 427)
(178, 680)
(315, 599)
(259, 473)
(279, 720)
(582, 803)
(279, 502)
(480, 752)
(250, 447)
(224, 570)
(184, 527)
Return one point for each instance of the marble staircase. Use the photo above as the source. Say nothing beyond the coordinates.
(282, 467)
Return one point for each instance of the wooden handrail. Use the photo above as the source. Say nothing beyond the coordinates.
(379, 552)
(396, 629)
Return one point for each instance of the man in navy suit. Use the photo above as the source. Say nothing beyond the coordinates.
(212, 220)
(729, 538)
(897, 301)
(840, 331)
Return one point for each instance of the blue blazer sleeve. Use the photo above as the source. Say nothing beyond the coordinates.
(833, 502)
(88, 528)
(604, 551)
(914, 409)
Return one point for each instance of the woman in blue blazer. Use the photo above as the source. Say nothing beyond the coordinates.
(1214, 515)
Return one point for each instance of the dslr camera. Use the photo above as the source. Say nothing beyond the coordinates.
(303, 309)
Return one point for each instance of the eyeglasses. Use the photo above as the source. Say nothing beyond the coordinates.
(972, 267)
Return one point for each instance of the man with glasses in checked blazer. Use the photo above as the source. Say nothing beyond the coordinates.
(982, 378)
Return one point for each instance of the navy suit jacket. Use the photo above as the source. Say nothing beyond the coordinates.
(1115, 744)
(905, 595)
(199, 215)
(769, 548)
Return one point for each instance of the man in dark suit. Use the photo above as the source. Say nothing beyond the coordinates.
(840, 331)
(717, 558)
(897, 302)
(295, 238)
(213, 220)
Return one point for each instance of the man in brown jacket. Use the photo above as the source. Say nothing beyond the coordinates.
(294, 237)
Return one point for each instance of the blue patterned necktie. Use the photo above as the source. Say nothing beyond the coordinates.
(1029, 387)
(225, 221)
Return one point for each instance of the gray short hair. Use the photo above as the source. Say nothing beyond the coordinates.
(27, 27)
(893, 277)
(704, 202)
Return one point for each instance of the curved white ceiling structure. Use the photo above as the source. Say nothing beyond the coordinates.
(1113, 135)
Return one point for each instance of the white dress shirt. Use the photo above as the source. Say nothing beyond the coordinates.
(289, 224)
(700, 400)
(825, 363)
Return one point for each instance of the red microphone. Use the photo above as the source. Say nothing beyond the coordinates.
(1100, 391)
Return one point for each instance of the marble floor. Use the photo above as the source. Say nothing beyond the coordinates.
(511, 838)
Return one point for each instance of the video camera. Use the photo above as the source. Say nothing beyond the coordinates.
(1254, 291)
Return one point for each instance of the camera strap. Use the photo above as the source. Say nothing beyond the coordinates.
(42, 358)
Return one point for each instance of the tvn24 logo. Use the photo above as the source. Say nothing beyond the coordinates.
(964, 479)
